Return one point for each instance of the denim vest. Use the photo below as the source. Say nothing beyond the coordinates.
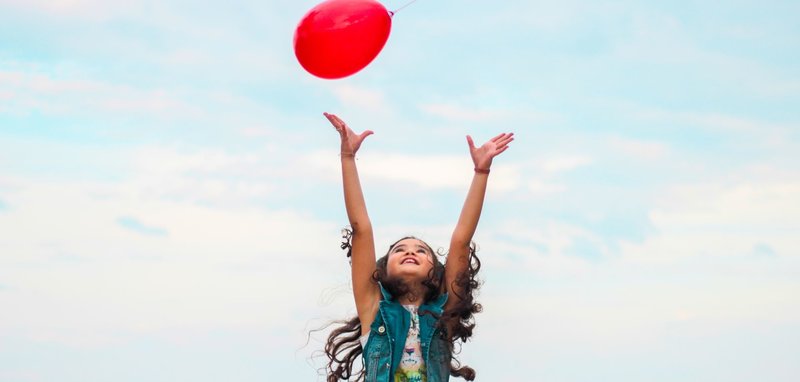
(387, 338)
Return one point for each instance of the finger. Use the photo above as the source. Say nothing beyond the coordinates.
(339, 120)
(505, 141)
(366, 134)
(336, 122)
(495, 139)
(470, 143)
(334, 119)
(504, 137)
(500, 151)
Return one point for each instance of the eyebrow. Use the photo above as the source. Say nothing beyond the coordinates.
(403, 245)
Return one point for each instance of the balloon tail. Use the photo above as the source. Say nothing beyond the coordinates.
(391, 13)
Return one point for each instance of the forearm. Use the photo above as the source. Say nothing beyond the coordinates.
(354, 197)
(471, 212)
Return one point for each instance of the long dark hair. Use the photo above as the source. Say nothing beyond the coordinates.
(343, 346)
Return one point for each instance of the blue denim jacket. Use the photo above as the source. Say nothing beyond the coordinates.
(387, 338)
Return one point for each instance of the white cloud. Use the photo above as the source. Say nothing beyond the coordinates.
(20, 375)
(258, 131)
(640, 149)
(90, 10)
(430, 172)
(712, 121)
(457, 112)
(694, 275)
(547, 17)
(361, 98)
(208, 176)
(172, 160)
(543, 247)
(558, 164)
(215, 258)
(217, 267)
(34, 91)
(721, 220)
(538, 187)
(420, 171)
(664, 38)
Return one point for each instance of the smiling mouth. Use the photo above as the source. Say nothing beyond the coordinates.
(409, 261)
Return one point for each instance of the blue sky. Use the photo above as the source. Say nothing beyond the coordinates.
(170, 204)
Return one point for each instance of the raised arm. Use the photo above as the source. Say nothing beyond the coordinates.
(458, 255)
(365, 290)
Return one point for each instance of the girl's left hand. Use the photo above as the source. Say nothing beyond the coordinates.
(482, 156)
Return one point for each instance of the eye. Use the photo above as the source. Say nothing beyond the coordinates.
(421, 251)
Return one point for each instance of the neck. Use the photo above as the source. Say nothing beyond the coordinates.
(415, 296)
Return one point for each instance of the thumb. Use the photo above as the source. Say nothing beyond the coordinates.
(366, 134)
(470, 143)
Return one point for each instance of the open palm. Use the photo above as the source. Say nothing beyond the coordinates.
(482, 156)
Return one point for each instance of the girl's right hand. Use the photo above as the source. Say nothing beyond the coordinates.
(350, 140)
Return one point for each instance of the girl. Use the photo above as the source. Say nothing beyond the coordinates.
(411, 308)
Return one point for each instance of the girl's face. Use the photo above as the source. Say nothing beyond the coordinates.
(410, 259)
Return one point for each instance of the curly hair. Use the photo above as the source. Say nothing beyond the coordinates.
(343, 346)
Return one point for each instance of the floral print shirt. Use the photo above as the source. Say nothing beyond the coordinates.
(412, 365)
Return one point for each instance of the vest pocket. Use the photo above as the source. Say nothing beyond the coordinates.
(378, 344)
(377, 353)
(372, 370)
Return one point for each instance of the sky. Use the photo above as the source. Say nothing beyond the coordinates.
(171, 207)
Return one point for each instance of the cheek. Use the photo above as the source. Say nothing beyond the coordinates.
(429, 265)
(390, 267)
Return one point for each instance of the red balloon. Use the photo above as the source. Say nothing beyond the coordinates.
(340, 37)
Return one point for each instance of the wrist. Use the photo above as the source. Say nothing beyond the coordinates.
(481, 170)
